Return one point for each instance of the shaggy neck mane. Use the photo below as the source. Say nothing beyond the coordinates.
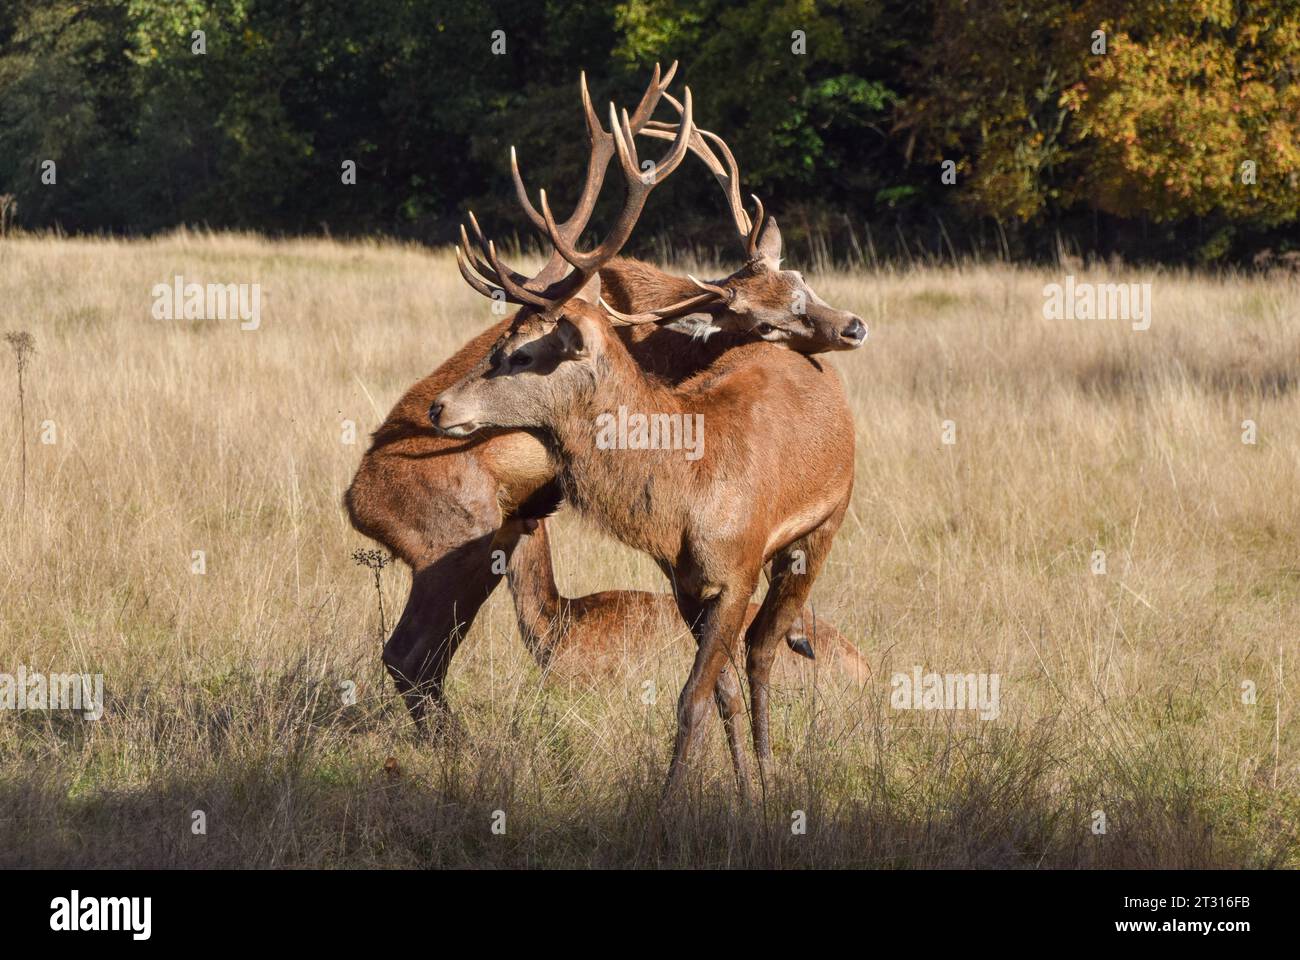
(632, 286)
(621, 488)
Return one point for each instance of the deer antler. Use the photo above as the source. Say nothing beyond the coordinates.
(569, 269)
(712, 294)
(639, 186)
(602, 151)
(679, 309)
(728, 177)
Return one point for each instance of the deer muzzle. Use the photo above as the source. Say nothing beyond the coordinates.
(854, 333)
(446, 419)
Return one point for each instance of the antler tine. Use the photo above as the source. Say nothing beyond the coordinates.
(513, 289)
(751, 243)
(638, 189)
(662, 130)
(602, 149)
(519, 279)
(733, 186)
(481, 268)
(603, 145)
(710, 288)
(626, 319)
(728, 179)
(669, 164)
(496, 279)
(625, 144)
(659, 314)
(650, 99)
(680, 147)
(594, 130)
(555, 283)
(472, 278)
(491, 273)
(473, 259)
(522, 194)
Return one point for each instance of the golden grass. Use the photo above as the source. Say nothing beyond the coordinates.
(1120, 693)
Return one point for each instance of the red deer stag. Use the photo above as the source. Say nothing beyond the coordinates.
(771, 484)
(445, 505)
(581, 635)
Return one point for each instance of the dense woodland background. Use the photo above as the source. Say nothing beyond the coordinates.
(1137, 152)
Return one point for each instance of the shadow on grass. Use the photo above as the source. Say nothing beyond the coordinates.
(278, 816)
(248, 769)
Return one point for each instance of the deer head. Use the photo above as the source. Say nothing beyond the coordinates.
(772, 304)
(760, 299)
(560, 325)
(544, 368)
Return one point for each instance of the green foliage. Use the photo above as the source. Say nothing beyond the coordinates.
(839, 110)
(808, 124)
(63, 97)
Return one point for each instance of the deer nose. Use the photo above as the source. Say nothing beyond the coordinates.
(856, 331)
(435, 412)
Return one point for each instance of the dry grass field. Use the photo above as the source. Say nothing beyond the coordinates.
(1123, 695)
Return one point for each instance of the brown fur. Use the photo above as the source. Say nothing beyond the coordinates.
(445, 505)
(589, 635)
(773, 483)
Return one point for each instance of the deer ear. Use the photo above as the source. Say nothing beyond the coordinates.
(769, 242)
(573, 345)
(590, 290)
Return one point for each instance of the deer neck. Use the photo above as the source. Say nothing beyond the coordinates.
(635, 494)
(633, 286)
(536, 596)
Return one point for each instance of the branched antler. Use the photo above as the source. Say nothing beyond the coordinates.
(568, 268)
(728, 175)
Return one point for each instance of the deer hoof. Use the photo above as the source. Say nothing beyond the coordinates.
(801, 646)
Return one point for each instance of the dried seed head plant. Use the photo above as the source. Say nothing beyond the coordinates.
(375, 561)
(24, 345)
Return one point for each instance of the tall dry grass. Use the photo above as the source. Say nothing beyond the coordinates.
(1120, 693)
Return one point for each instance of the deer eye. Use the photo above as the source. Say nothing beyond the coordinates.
(765, 328)
(520, 360)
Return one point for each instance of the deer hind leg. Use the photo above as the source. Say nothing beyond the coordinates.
(794, 570)
(796, 638)
(445, 598)
(449, 584)
(716, 625)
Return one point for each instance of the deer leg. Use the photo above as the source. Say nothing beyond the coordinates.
(796, 638)
(445, 598)
(729, 698)
(539, 608)
(731, 707)
(794, 570)
(716, 625)
(417, 665)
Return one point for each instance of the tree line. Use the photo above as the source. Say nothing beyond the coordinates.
(1148, 129)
